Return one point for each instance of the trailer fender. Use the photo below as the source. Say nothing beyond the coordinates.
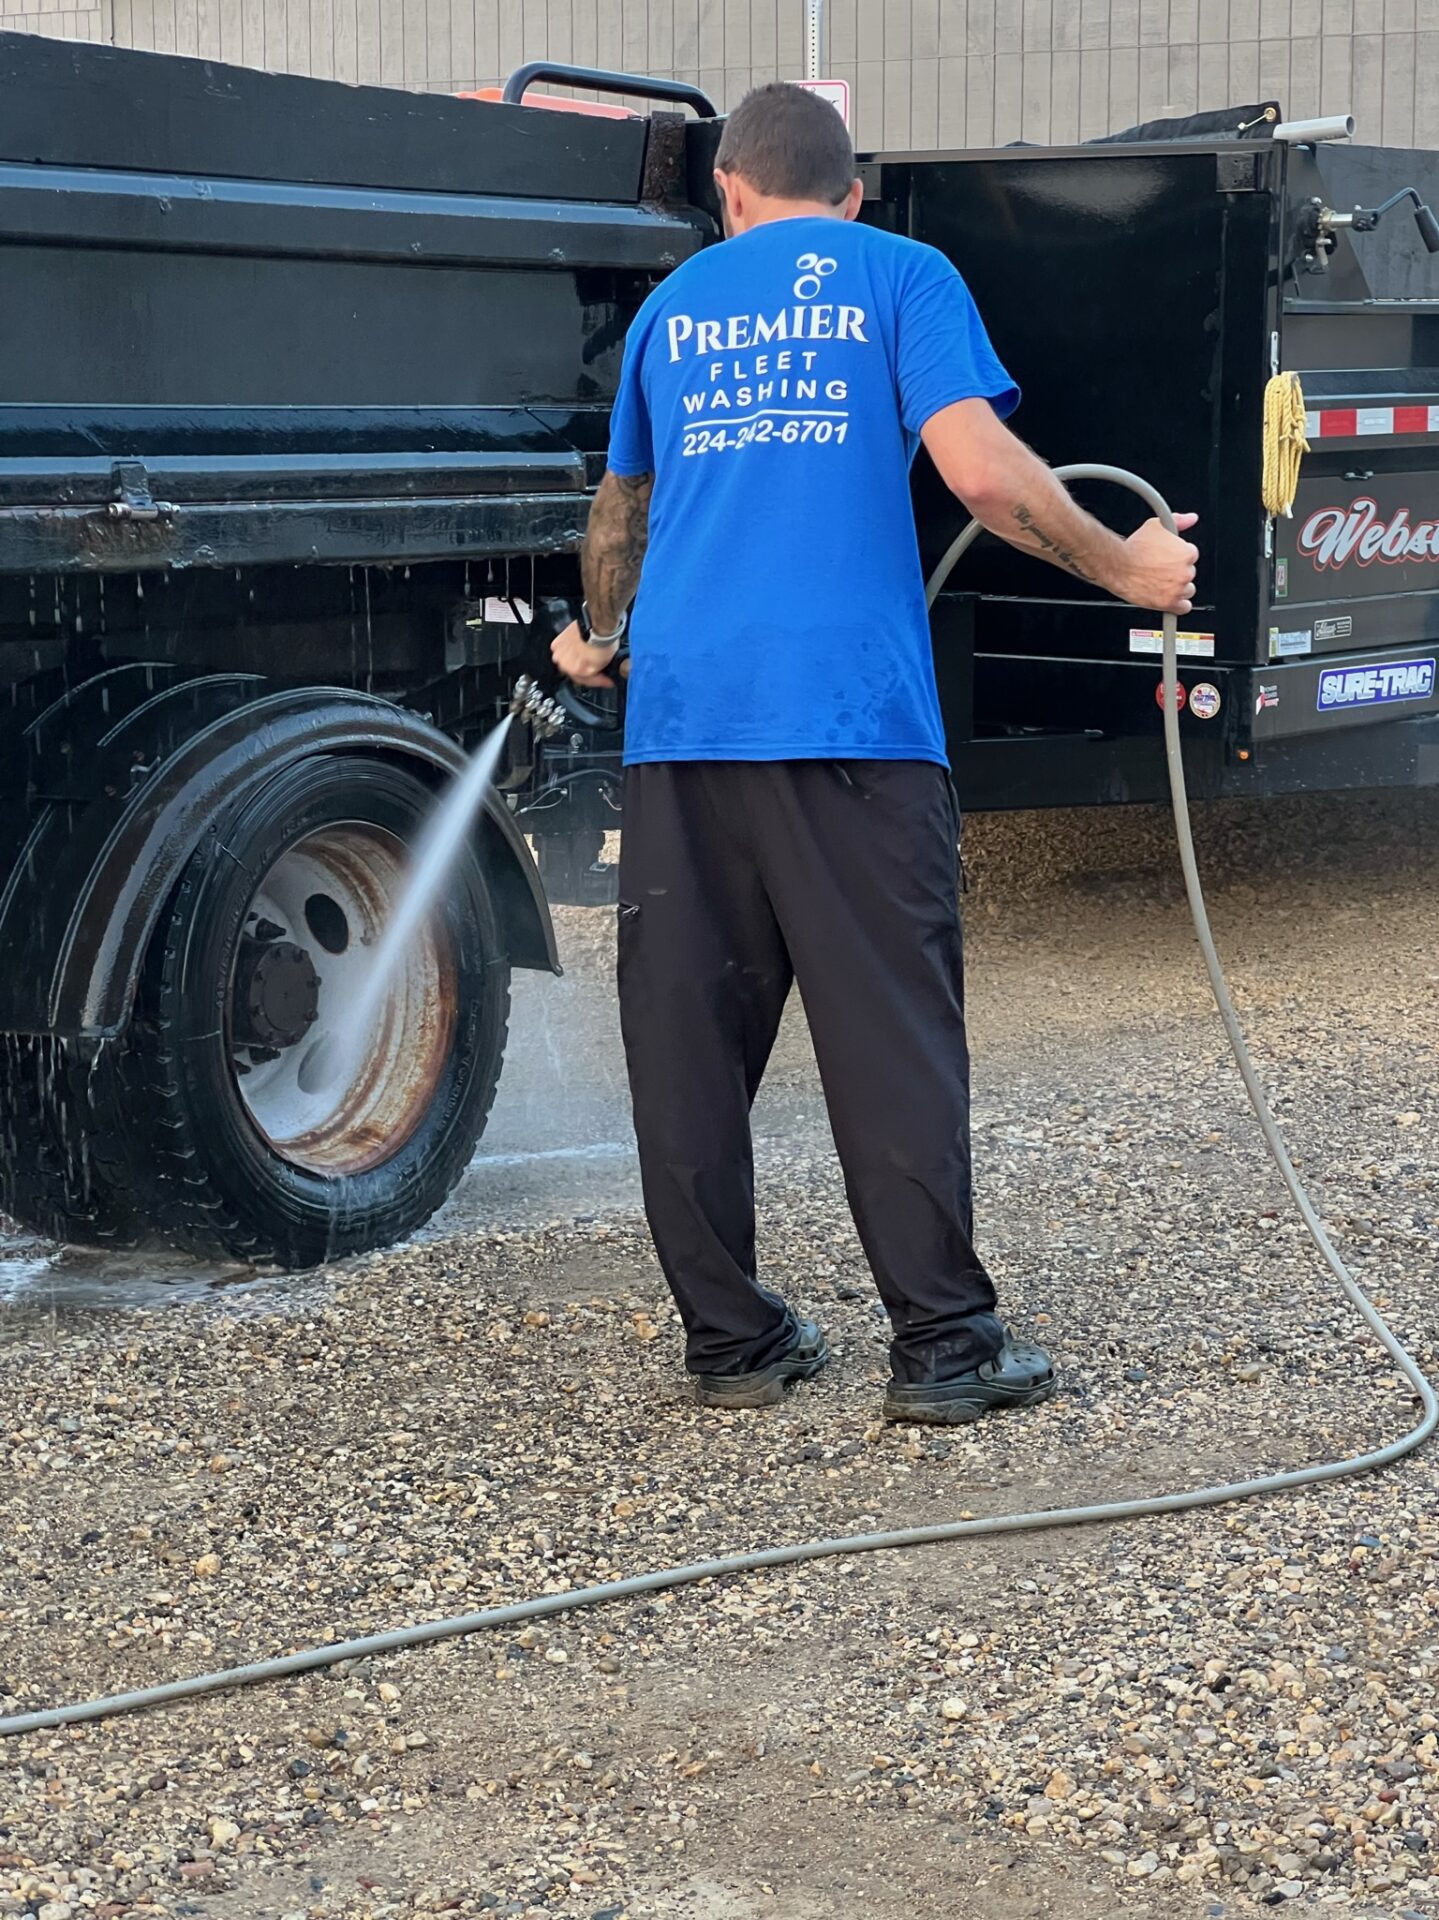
(119, 805)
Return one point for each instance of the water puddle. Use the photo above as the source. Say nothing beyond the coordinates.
(599, 1150)
(20, 1271)
(38, 1277)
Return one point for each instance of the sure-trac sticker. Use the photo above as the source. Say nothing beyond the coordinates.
(1342, 687)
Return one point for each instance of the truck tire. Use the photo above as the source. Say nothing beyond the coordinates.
(64, 1163)
(266, 941)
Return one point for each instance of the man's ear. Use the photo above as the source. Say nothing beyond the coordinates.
(854, 200)
(726, 186)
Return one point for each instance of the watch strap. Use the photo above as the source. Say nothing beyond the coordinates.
(593, 639)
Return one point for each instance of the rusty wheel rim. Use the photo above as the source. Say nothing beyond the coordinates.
(306, 959)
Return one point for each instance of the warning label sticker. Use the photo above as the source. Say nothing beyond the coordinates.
(1188, 646)
(1288, 646)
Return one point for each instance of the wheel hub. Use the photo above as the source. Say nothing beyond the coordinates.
(277, 994)
(331, 895)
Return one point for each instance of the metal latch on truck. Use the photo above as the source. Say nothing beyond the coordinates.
(133, 499)
(1322, 226)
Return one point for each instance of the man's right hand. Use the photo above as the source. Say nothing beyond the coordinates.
(1159, 566)
(579, 661)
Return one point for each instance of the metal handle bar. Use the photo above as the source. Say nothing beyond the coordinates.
(600, 80)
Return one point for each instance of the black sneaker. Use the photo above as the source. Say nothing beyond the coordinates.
(765, 1386)
(1019, 1375)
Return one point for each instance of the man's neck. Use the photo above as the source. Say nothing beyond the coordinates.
(771, 210)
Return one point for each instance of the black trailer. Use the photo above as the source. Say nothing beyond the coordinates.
(1144, 298)
(303, 395)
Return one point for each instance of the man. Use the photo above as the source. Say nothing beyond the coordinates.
(788, 812)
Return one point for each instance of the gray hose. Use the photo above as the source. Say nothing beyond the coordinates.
(669, 1577)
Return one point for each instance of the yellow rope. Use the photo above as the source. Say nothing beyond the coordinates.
(1284, 442)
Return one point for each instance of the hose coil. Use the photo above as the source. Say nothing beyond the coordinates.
(1285, 444)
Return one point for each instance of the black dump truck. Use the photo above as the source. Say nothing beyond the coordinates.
(303, 396)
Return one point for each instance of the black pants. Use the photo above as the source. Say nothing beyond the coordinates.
(737, 878)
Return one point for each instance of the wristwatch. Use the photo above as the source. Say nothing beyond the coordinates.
(593, 639)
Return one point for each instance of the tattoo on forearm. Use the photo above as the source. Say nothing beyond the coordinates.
(1051, 548)
(615, 542)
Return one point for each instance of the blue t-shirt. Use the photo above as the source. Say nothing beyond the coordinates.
(776, 386)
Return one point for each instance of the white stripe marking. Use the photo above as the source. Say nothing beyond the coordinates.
(1369, 420)
(778, 413)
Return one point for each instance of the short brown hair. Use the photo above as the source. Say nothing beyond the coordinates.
(789, 144)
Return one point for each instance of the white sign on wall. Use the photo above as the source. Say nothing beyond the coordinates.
(835, 91)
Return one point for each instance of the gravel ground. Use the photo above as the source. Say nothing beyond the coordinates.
(1196, 1716)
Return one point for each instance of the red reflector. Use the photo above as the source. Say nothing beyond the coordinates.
(1338, 423)
(1411, 419)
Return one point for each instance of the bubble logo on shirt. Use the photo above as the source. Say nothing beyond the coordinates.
(813, 271)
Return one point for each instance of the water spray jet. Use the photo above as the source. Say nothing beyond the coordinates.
(336, 1056)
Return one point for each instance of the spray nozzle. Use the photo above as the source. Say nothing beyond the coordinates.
(538, 709)
(563, 707)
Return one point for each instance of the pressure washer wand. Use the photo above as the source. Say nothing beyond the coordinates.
(550, 710)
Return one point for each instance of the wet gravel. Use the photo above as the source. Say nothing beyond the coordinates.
(1204, 1715)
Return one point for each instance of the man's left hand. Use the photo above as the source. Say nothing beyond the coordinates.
(579, 661)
